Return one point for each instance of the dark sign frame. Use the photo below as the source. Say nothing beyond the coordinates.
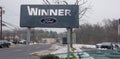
(51, 16)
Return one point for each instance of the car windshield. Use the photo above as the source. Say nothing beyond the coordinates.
(94, 54)
(73, 29)
(0, 41)
(4, 41)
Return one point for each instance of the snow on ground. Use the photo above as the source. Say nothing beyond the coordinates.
(56, 49)
(63, 49)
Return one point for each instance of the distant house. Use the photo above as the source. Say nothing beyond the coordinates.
(49, 40)
(10, 37)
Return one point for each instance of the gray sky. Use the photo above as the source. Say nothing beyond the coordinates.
(104, 9)
(101, 9)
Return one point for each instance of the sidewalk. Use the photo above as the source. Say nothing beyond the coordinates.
(17, 45)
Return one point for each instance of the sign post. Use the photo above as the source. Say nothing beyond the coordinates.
(118, 30)
(28, 35)
(68, 42)
(118, 27)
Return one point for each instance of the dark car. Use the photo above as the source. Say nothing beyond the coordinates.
(4, 43)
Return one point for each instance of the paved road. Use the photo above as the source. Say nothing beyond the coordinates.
(21, 52)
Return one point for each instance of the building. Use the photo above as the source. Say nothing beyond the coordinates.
(49, 40)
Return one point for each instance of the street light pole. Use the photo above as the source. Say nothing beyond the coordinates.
(0, 23)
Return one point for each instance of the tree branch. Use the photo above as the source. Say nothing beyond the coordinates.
(46, 2)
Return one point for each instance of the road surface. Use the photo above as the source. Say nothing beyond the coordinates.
(22, 52)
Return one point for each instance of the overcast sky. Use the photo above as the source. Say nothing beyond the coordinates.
(100, 9)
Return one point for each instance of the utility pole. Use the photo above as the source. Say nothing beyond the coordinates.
(1, 23)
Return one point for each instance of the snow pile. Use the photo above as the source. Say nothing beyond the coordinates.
(63, 49)
(58, 49)
(84, 46)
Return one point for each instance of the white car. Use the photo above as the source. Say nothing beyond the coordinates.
(22, 41)
(105, 45)
(108, 45)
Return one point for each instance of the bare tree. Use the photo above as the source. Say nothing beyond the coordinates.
(82, 9)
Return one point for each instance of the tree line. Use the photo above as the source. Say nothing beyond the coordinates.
(97, 33)
(36, 34)
(85, 34)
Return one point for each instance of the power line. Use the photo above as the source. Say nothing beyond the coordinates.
(9, 24)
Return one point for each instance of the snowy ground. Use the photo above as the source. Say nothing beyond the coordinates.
(56, 49)
(63, 49)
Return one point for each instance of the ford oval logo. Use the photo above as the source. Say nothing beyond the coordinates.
(48, 20)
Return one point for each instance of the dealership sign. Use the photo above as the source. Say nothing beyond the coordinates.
(57, 16)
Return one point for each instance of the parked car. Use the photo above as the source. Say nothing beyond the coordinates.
(4, 43)
(15, 41)
(22, 42)
(107, 45)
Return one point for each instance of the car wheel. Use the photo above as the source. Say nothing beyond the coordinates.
(7, 46)
(1, 46)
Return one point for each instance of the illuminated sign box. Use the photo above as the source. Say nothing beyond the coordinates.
(53, 16)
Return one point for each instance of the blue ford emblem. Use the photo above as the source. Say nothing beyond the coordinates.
(48, 20)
